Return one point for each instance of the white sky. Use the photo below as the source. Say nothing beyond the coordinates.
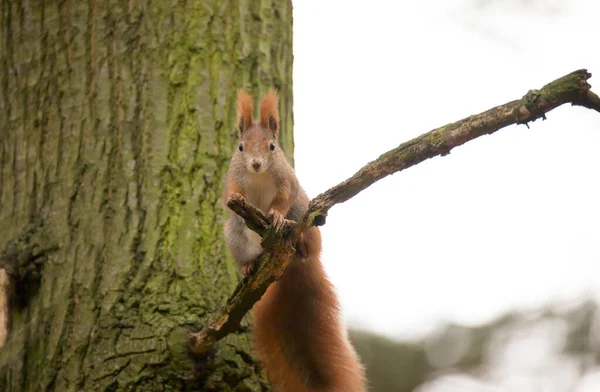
(509, 221)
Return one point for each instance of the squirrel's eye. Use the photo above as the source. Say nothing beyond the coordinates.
(272, 146)
(241, 147)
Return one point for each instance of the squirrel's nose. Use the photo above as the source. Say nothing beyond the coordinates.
(256, 165)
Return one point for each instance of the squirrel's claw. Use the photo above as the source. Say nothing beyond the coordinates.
(277, 219)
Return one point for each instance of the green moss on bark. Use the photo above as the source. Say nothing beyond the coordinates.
(117, 132)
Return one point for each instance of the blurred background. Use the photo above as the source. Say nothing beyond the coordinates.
(478, 271)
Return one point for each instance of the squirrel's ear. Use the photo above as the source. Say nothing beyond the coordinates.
(269, 115)
(245, 107)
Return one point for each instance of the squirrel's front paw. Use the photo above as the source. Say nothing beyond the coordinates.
(277, 219)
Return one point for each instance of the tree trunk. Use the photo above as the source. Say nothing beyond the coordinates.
(117, 121)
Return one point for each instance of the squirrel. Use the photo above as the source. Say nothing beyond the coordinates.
(296, 324)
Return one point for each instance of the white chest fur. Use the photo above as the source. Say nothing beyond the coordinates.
(260, 192)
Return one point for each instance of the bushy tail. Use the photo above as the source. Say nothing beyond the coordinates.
(299, 336)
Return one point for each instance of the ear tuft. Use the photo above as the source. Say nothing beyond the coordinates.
(269, 115)
(245, 107)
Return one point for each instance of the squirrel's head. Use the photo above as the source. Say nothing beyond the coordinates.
(258, 141)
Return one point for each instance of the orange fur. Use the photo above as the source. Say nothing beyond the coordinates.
(298, 332)
(232, 186)
(268, 108)
(245, 109)
(283, 199)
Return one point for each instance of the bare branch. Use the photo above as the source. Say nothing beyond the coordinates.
(572, 88)
(279, 247)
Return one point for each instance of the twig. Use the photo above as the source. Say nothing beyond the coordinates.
(572, 88)
(591, 101)
(255, 220)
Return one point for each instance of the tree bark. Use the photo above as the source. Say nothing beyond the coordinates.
(116, 126)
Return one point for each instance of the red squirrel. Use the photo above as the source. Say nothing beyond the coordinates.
(296, 325)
